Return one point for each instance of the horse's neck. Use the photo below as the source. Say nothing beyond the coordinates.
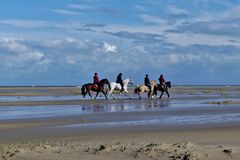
(103, 81)
(126, 81)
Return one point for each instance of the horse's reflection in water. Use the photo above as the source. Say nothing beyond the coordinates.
(121, 107)
(94, 108)
(158, 104)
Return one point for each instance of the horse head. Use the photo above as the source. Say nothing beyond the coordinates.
(168, 84)
(153, 83)
(128, 81)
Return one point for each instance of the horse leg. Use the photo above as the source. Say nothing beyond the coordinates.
(155, 93)
(167, 93)
(152, 95)
(105, 95)
(149, 95)
(96, 95)
(127, 94)
(139, 96)
(89, 93)
(110, 93)
(84, 94)
(161, 95)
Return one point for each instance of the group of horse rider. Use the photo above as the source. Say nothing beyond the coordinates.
(121, 85)
(148, 84)
(120, 81)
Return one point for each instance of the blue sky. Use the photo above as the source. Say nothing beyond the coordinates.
(63, 42)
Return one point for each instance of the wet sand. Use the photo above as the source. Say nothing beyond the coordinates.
(171, 131)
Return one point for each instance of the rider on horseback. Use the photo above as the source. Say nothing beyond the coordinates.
(119, 80)
(162, 81)
(95, 80)
(147, 82)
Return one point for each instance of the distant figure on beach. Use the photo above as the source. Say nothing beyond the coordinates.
(119, 80)
(162, 81)
(147, 82)
(95, 80)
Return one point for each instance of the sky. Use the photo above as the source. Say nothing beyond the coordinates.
(64, 42)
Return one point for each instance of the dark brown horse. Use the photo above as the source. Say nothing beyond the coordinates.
(158, 87)
(87, 88)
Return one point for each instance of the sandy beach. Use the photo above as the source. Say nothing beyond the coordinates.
(52, 123)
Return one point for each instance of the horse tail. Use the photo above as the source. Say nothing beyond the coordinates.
(83, 89)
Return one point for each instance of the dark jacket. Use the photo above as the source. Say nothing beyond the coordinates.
(147, 81)
(119, 79)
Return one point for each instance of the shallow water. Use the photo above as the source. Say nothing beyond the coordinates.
(38, 98)
(20, 112)
(182, 101)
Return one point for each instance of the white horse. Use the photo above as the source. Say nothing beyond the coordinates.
(117, 87)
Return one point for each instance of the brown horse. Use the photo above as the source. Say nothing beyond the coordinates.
(162, 89)
(87, 88)
(142, 88)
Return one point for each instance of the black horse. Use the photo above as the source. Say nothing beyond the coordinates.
(159, 87)
(87, 88)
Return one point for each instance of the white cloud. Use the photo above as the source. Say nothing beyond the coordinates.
(175, 58)
(109, 48)
(229, 14)
(80, 6)
(71, 60)
(66, 12)
(200, 58)
(25, 23)
(18, 53)
(13, 44)
(35, 56)
(187, 39)
(177, 11)
(153, 19)
(61, 43)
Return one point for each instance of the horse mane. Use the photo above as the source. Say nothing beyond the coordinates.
(127, 79)
(105, 81)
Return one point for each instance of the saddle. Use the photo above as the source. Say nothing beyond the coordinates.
(95, 87)
(161, 87)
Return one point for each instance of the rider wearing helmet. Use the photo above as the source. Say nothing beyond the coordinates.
(119, 80)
